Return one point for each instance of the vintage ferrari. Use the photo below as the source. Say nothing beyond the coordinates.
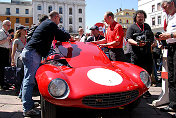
(78, 74)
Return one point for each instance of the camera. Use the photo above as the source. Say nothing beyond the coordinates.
(145, 36)
(157, 34)
(163, 42)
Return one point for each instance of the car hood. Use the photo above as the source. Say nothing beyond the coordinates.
(91, 80)
(80, 54)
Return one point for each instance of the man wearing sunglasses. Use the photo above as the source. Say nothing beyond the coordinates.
(169, 6)
(4, 50)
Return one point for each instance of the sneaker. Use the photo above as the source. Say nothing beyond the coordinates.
(167, 109)
(36, 104)
(31, 112)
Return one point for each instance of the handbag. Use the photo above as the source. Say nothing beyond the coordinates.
(11, 75)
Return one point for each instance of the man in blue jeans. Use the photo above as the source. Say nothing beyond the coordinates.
(38, 47)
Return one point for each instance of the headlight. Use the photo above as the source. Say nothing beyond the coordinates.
(145, 79)
(58, 88)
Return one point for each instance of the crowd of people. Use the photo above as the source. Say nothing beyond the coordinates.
(135, 44)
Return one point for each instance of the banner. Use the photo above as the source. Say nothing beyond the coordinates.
(102, 28)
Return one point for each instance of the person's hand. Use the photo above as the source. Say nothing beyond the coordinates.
(13, 64)
(9, 37)
(95, 42)
(141, 44)
(164, 36)
(71, 39)
(160, 46)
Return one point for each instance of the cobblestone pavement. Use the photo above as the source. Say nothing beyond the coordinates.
(11, 107)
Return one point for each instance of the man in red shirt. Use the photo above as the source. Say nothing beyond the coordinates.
(113, 39)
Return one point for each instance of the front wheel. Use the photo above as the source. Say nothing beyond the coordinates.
(48, 110)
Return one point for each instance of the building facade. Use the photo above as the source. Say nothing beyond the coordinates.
(124, 17)
(18, 12)
(155, 15)
(72, 12)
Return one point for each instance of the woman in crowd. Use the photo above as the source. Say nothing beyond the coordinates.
(17, 47)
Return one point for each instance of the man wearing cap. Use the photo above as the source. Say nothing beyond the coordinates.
(169, 6)
(96, 35)
(4, 50)
(113, 39)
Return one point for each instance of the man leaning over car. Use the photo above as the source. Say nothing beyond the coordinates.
(38, 47)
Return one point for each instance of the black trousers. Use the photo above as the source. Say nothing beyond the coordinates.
(5, 53)
(143, 60)
(171, 60)
(117, 54)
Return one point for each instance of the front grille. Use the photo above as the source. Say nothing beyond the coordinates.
(111, 99)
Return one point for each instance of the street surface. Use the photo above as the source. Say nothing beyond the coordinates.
(11, 107)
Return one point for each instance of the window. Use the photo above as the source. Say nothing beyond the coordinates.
(70, 20)
(80, 20)
(17, 20)
(26, 11)
(26, 20)
(8, 18)
(7, 11)
(61, 19)
(50, 9)
(153, 8)
(153, 21)
(80, 26)
(127, 14)
(60, 10)
(70, 11)
(159, 20)
(17, 10)
(127, 21)
(39, 15)
(159, 6)
(80, 11)
(70, 29)
(39, 7)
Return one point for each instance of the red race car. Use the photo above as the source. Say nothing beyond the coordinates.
(80, 75)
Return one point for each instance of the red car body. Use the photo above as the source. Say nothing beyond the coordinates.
(93, 80)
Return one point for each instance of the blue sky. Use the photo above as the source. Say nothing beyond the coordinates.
(95, 9)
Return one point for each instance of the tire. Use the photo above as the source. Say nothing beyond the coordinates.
(48, 110)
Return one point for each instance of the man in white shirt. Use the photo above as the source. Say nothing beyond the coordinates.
(4, 50)
(169, 6)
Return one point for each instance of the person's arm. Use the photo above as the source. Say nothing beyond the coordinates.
(114, 43)
(59, 34)
(103, 41)
(14, 46)
(165, 36)
(132, 42)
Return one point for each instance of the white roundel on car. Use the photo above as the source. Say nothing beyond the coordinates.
(104, 77)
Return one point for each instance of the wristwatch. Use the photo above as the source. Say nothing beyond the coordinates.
(138, 43)
(172, 36)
